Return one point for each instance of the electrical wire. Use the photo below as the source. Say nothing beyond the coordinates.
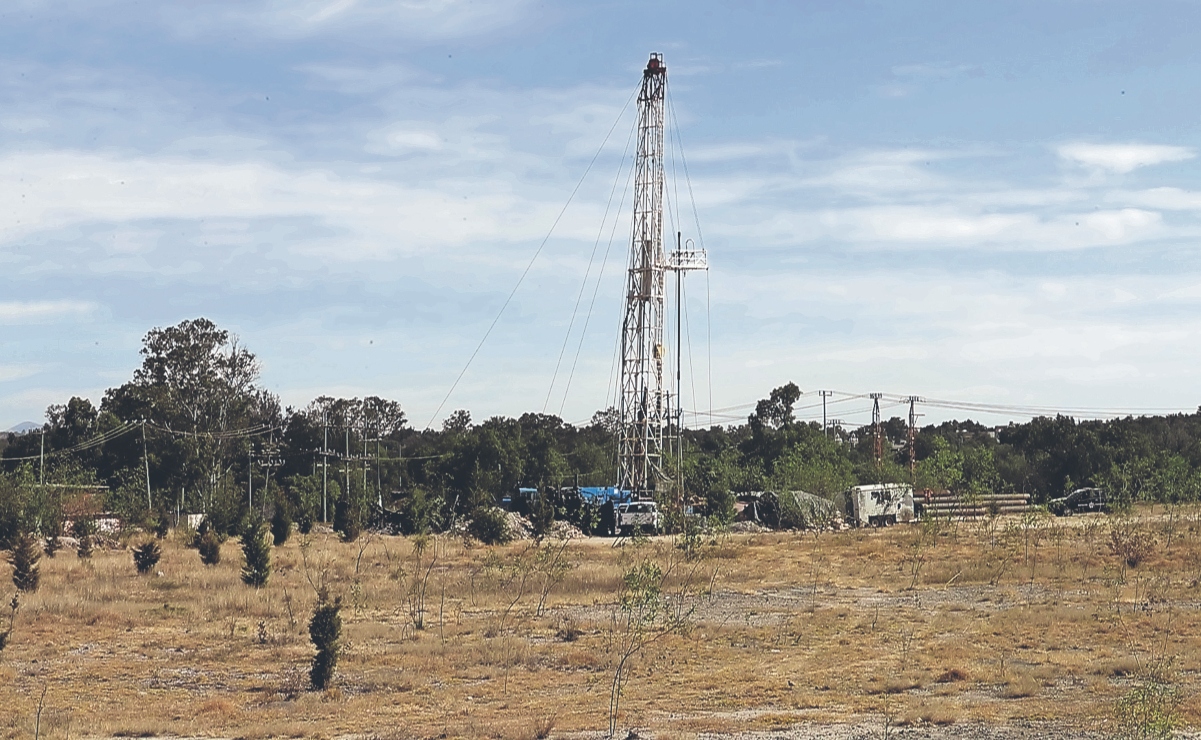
(529, 266)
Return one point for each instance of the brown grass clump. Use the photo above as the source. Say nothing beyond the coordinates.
(953, 675)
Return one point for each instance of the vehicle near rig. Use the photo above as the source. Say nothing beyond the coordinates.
(880, 504)
(1080, 501)
(637, 516)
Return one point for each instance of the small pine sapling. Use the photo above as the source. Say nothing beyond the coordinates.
(84, 529)
(281, 523)
(325, 630)
(146, 556)
(24, 560)
(209, 546)
(54, 531)
(257, 553)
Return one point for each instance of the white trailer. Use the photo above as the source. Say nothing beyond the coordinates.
(880, 504)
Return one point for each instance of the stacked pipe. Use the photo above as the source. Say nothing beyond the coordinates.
(948, 504)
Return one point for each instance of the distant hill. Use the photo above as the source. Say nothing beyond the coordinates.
(25, 426)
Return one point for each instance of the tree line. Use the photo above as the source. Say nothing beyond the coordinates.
(193, 431)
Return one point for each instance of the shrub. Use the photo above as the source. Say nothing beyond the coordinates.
(489, 525)
(146, 556)
(12, 616)
(325, 630)
(209, 546)
(348, 520)
(161, 525)
(257, 553)
(281, 523)
(24, 559)
(541, 516)
(1149, 711)
(85, 530)
(1130, 541)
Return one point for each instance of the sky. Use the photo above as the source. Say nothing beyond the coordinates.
(992, 203)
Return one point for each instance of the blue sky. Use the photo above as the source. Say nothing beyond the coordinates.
(988, 202)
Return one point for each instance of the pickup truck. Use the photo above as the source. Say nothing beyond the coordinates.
(637, 515)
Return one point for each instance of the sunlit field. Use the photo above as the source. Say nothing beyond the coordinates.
(1028, 620)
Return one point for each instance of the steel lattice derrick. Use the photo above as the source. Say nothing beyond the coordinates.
(642, 394)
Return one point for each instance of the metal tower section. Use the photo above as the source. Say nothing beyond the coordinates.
(913, 401)
(640, 449)
(877, 432)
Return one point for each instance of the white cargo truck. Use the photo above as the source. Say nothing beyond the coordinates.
(880, 504)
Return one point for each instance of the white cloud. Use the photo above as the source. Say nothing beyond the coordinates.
(40, 312)
(17, 372)
(1123, 158)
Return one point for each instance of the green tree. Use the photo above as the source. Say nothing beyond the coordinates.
(256, 552)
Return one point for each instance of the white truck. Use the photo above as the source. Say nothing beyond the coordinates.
(635, 516)
(880, 504)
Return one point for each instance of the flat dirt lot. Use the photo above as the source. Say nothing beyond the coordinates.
(1016, 627)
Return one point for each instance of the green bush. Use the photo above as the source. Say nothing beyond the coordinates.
(146, 556)
(24, 559)
(257, 553)
(84, 529)
(325, 630)
(209, 546)
(489, 525)
(281, 523)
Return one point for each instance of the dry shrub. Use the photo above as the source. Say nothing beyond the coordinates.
(1019, 687)
(544, 727)
(953, 675)
(219, 706)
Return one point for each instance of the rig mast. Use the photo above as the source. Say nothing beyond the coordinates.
(643, 412)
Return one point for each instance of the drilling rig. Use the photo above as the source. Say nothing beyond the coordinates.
(642, 410)
(645, 408)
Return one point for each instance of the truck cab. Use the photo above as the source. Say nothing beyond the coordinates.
(637, 516)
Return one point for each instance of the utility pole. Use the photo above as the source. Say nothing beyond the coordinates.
(640, 437)
(325, 467)
(913, 436)
(681, 261)
(42, 459)
(877, 432)
(837, 424)
(250, 476)
(146, 464)
(825, 395)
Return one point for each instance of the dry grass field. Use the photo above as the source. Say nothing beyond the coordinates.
(1016, 622)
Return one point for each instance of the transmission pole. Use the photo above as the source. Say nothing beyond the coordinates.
(682, 261)
(325, 467)
(824, 395)
(913, 435)
(640, 443)
(146, 464)
(877, 432)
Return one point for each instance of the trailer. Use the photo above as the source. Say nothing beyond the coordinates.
(880, 504)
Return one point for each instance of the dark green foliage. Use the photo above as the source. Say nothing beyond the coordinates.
(209, 547)
(146, 556)
(325, 630)
(24, 560)
(256, 552)
(348, 517)
(85, 530)
(53, 544)
(161, 524)
(281, 523)
(489, 525)
(304, 522)
(419, 512)
(541, 516)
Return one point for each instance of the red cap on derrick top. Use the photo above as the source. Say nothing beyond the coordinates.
(656, 63)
